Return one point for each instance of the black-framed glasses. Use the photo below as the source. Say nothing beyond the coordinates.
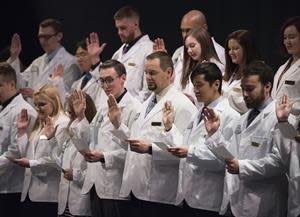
(46, 36)
(108, 80)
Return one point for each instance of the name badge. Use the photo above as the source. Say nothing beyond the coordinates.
(255, 144)
(288, 82)
(131, 64)
(156, 124)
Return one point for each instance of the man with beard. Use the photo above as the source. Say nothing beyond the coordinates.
(151, 172)
(136, 46)
(255, 183)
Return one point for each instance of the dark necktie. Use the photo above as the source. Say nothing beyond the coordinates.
(126, 48)
(252, 115)
(85, 80)
(151, 104)
(201, 116)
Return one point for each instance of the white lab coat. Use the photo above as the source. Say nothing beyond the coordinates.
(233, 92)
(155, 177)
(289, 150)
(11, 175)
(67, 157)
(289, 83)
(42, 178)
(107, 177)
(38, 73)
(260, 188)
(92, 88)
(177, 59)
(134, 62)
(201, 167)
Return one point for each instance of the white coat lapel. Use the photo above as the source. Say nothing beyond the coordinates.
(55, 61)
(293, 69)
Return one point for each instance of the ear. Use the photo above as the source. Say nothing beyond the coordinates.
(217, 84)
(170, 71)
(123, 77)
(60, 36)
(268, 86)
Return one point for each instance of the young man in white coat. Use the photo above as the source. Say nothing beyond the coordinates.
(201, 178)
(11, 175)
(255, 183)
(87, 54)
(136, 46)
(105, 156)
(192, 19)
(39, 72)
(151, 174)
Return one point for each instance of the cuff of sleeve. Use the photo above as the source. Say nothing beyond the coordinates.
(108, 160)
(33, 163)
(212, 141)
(242, 169)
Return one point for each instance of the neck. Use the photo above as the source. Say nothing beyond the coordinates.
(212, 99)
(120, 93)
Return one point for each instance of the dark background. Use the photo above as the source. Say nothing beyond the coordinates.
(158, 19)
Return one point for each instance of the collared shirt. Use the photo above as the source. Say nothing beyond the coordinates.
(52, 54)
(163, 93)
(6, 103)
(121, 96)
(130, 44)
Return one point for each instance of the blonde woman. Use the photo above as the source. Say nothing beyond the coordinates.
(40, 188)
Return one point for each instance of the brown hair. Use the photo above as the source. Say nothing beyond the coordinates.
(208, 51)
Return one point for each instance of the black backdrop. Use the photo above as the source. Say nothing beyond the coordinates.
(159, 19)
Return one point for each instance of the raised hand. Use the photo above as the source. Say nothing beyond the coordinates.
(15, 47)
(168, 115)
(211, 120)
(27, 92)
(94, 48)
(159, 45)
(49, 130)
(79, 104)
(58, 72)
(114, 111)
(22, 122)
(283, 108)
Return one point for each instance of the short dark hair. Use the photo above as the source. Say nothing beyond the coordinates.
(118, 67)
(292, 21)
(127, 12)
(54, 23)
(210, 71)
(165, 61)
(8, 72)
(81, 44)
(261, 69)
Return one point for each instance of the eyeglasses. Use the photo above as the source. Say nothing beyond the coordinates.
(108, 80)
(46, 36)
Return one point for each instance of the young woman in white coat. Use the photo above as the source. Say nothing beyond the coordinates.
(198, 47)
(70, 200)
(287, 78)
(240, 50)
(40, 188)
